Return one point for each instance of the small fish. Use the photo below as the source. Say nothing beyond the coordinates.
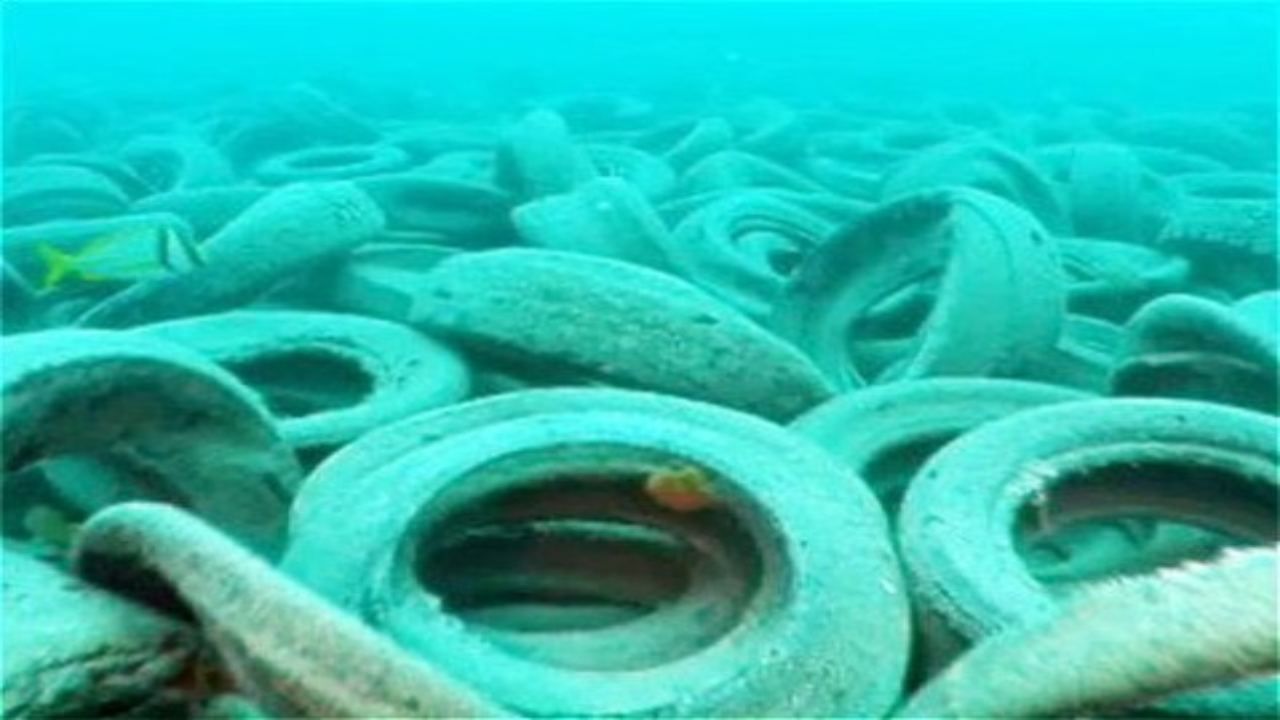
(683, 489)
(126, 255)
(50, 527)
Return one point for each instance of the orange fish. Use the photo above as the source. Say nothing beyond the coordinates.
(682, 489)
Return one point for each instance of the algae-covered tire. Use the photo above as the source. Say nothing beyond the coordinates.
(378, 280)
(539, 157)
(594, 595)
(1261, 313)
(1120, 646)
(1238, 185)
(73, 650)
(886, 433)
(438, 210)
(1218, 138)
(822, 632)
(328, 378)
(627, 583)
(737, 170)
(982, 165)
(607, 217)
(844, 178)
(1171, 163)
(1188, 347)
(1199, 463)
(428, 139)
(1111, 280)
(319, 117)
(207, 209)
(898, 139)
(1000, 291)
(331, 162)
(286, 233)
(650, 175)
(770, 129)
(1083, 358)
(32, 129)
(1111, 195)
(706, 137)
(177, 161)
(614, 322)
(174, 427)
(41, 193)
(292, 651)
(743, 247)
(115, 168)
(330, 483)
(1226, 223)
(828, 206)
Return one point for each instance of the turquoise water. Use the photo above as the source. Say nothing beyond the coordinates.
(646, 359)
(1146, 54)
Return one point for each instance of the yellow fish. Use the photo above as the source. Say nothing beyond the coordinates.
(126, 255)
(682, 489)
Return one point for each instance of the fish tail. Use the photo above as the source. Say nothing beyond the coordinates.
(58, 266)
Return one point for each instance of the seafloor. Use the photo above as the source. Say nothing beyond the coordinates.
(322, 404)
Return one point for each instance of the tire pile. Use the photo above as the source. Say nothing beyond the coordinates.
(593, 407)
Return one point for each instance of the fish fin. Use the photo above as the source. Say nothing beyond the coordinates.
(177, 253)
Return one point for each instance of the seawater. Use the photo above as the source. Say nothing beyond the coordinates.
(1143, 55)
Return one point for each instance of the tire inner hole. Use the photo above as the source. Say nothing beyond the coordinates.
(45, 503)
(1133, 518)
(304, 382)
(545, 567)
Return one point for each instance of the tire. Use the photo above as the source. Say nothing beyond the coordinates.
(823, 631)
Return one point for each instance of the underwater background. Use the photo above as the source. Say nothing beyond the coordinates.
(651, 359)
(1147, 54)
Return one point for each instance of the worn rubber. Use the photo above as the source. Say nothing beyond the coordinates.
(982, 165)
(42, 193)
(823, 633)
(177, 161)
(999, 271)
(744, 247)
(386, 371)
(886, 433)
(615, 322)
(1111, 280)
(1122, 646)
(288, 648)
(330, 162)
(1204, 464)
(424, 209)
(608, 217)
(75, 650)
(179, 428)
(538, 157)
(1184, 346)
